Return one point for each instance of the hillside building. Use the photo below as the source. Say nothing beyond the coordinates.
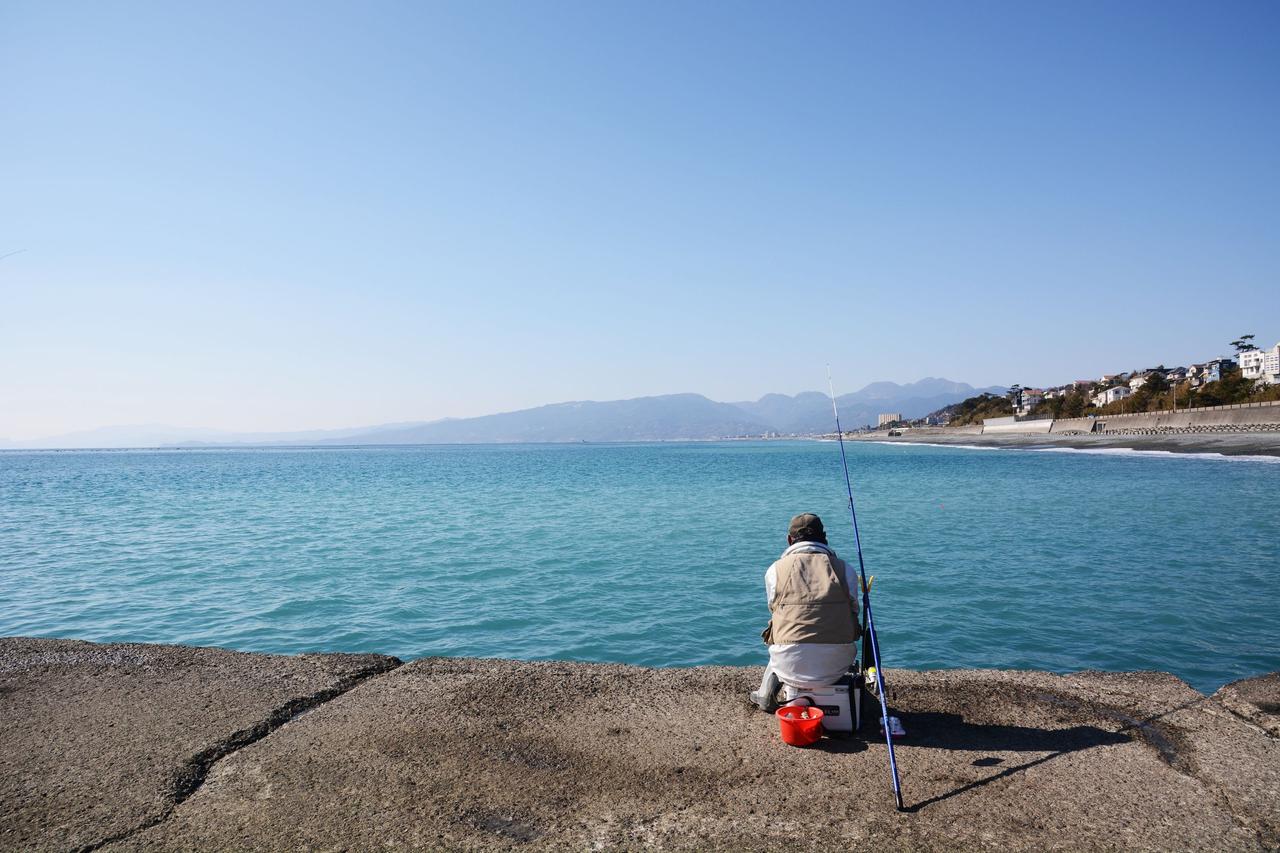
(1210, 371)
(1028, 400)
(1116, 392)
(1261, 365)
(1139, 379)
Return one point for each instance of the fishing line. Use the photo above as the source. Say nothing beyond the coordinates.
(866, 602)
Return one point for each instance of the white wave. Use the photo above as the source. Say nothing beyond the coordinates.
(1107, 451)
(932, 444)
(1131, 451)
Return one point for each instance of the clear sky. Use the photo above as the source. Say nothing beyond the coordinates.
(284, 216)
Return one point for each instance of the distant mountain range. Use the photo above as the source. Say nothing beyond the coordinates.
(810, 412)
(669, 417)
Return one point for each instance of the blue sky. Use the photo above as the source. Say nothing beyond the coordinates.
(283, 216)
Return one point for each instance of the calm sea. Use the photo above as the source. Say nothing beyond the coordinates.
(648, 554)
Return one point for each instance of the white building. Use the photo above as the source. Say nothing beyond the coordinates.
(890, 418)
(1029, 398)
(1118, 392)
(1262, 365)
(1138, 380)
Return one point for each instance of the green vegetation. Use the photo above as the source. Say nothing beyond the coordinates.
(1155, 395)
(976, 409)
(1158, 396)
(1073, 405)
(1232, 388)
(1243, 344)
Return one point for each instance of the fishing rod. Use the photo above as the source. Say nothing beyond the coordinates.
(866, 603)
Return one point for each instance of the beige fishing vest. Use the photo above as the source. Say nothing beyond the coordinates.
(811, 602)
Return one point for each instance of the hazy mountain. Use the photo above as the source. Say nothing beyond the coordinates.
(312, 437)
(793, 414)
(810, 411)
(928, 387)
(668, 417)
(681, 416)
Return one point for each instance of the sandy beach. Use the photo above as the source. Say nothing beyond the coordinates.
(138, 747)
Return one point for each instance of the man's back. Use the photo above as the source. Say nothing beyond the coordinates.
(810, 599)
(814, 627)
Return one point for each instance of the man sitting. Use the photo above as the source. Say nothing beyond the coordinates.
(812, 596)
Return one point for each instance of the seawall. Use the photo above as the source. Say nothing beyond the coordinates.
(1247, 429)
(995, 426)
(1243, 415)
(136, 747)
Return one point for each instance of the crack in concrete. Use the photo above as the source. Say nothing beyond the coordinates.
(1168, 744)
(1246, 717)
(1161, 737)
(196, 769)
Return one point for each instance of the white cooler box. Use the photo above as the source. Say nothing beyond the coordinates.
(841, 703)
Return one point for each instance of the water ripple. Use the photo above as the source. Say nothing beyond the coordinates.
(648, 554)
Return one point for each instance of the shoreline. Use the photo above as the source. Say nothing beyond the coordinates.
(146, 747)
(1262, 445)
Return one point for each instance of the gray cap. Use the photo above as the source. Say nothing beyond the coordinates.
(806, 525)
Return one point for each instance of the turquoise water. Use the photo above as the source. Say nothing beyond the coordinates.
(648, 554)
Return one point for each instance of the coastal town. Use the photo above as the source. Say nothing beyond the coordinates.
(1250, 378)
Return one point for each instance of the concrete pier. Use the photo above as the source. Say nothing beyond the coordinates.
(129, 747)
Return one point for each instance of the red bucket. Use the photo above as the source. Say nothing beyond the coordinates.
(800, 725)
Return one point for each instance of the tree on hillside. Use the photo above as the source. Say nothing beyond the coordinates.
(1050, 408)
(1014, 396)
(1157, 382)
(1153, 395)
(1243, 344)
(1231, 388)
(1074, 404)
(977, 409)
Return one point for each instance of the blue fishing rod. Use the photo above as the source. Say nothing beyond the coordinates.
(866, 603)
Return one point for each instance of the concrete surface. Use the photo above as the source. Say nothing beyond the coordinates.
(1244, 415)
(98, 740)
(995, 426)
(492, 754)
(1256, 700)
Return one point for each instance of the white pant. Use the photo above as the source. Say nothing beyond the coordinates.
(811, 665)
